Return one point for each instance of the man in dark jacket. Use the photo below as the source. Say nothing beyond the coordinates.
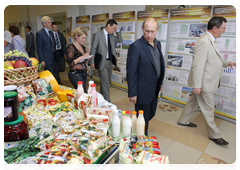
(30, 46)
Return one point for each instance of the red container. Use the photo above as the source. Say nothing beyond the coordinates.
(15, 130)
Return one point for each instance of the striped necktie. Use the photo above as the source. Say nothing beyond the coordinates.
(57, 42)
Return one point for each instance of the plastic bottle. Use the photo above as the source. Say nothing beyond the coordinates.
(80, 90)
(127, 125)
(115, 125)
(140, 128)
(94, 95)
(134, 120)
(122, 119)
(89, 87)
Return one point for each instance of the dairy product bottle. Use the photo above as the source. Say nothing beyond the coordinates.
(89, 87)
(115, 125)
(122, 119)
(80, 90)
(127, 125)
(134, 119)
(140, 128)
(94, 95)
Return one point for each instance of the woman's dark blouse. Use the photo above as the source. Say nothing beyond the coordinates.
(72, 54)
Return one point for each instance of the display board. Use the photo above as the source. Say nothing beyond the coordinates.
(225, 96)
(162, 17)
(126, 24)
(98, 23)
(69, 30)
(185, 27)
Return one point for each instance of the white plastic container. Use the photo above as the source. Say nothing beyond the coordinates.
(94, 95)
(134, 120)
(89, 87)
(80, 90)
(115, 125)
(127, 125)
(140, 128)
(122, 119)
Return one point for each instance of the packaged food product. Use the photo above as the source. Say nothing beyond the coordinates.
(60, 154)
(125, 154)
(26, 96)
(145, 157)
(147, 143)
(44, 128)
(10, 106)
(62, 94)
(27, 164)
(35, 114)
(42, 87)
(85, 104)
(15, 130)
(20, 150)
(91, 141)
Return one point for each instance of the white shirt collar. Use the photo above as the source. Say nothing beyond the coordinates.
(105, 32)
(46, 30)
(211, 36)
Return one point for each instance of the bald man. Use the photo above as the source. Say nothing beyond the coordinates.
(145, 71)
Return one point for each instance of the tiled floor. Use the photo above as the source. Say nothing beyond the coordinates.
(183, 145)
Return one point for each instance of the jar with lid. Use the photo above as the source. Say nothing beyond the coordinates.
(10, 106)
(15, 130)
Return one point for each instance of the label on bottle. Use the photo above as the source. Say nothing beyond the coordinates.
(8, 112)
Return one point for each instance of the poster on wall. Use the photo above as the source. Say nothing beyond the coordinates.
(69, 30)
(225, 96)
(126, 24)
(84, 21)
(186, 25)
(162, 18)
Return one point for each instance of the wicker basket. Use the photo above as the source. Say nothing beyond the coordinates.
(20, 75)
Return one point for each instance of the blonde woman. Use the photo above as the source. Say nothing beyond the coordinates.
(76, 53)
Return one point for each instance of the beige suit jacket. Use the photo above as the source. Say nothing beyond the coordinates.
(207, 65)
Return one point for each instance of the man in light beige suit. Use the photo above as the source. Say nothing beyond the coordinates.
(204, 78)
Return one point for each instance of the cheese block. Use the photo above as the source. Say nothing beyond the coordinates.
(47, 75)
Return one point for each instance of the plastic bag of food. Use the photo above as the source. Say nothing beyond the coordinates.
(20, 150)
(26, 96)
(74, 126)
(42, 87)
(85, 104)
(27, 164)
(35, 115)
(44, 128)
(91, 141)
(60, 154)
(147, 143)
(125, 154)
(145, 157)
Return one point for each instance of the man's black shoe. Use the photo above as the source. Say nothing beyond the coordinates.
(190, 124)
(220, 141)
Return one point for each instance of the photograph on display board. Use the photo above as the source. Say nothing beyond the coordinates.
(69, 30)
(174, 60)
(196, 30)
(186, 93)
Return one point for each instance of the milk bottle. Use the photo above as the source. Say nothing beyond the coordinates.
(122, 119)
(89, 87)
(80, 90)
(140, 128)
(115, 125)
(94, 95)
(134, 119)
(127, 125)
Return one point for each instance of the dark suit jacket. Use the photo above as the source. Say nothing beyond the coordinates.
(44, 48)
(141, 73)
(30, 44)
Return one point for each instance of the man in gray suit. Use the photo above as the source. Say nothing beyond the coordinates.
(30, 46)
(205, 77)
(104, 55)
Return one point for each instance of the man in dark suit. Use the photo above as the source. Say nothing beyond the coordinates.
(60, 50)
(145, 71)
(30, 46)
(104, 55)
(46, 45)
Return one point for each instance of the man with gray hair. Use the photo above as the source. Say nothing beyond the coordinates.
(46, 45)
(145, 71)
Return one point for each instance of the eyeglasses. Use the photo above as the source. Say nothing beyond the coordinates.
(148, 32)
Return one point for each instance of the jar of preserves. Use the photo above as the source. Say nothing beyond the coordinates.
(10, 106)
(16, 130)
